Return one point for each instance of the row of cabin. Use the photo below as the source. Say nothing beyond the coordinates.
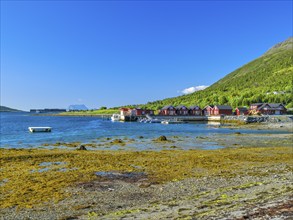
(181, 110)
(257, 108)
(135, 112)
(196, 110)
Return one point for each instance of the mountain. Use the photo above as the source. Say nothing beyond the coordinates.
(265, 79)
(6, 109)
(77, 107)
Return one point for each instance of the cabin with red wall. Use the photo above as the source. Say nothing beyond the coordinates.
(168, 110)
(241, 111)
(268, 108)
(126, 112)
(222, 110)
(208, 110)
(195, 110)
(141, 112)
(181, 110)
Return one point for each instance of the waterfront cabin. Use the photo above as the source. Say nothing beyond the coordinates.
(168, 110)
(127, 112)
(255, 106)
(268, 108)
(241, 111)
(222, 110)
(208, 110)
(181, 110)
(195, 110)
(141, 112)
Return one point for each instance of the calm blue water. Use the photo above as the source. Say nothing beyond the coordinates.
(14, 130)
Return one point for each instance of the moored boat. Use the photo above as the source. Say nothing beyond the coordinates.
(40, 129)
(115, 117)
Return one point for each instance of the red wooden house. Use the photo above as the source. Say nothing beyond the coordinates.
(208, 110)
(268, 108)
(222, 110)
(241, 111)
(195, 110)
(140, 112)
(126, 111)
(255, 106)
(181, 110)
(168, 110)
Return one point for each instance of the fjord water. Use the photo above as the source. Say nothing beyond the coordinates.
(14, 130)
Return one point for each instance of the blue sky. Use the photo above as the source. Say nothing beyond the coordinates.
(113, 53)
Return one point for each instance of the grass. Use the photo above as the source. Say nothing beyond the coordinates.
(24, 183)
(91, 112)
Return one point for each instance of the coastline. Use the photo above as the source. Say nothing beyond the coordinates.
(280, 126)
(205, 184)
(241, 174)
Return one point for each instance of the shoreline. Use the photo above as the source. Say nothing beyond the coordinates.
(63, 184)
(280, 126)
(115, 179)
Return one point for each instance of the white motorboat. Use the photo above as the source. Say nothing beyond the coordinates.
(115, 117)
(173, 122)
(40, 129)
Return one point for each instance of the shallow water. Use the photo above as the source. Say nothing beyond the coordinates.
(14, 132)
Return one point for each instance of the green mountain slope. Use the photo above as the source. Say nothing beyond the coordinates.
(265, 79)
(6, 109)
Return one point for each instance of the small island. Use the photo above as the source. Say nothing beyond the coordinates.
(7, 109)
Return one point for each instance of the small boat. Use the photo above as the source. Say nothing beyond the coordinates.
(40, 129)
(173, 122)
(115, 117)
(155, 120)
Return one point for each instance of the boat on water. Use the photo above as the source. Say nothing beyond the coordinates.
(40, 129)
(155, 121)
(115, 117)
(173, 122)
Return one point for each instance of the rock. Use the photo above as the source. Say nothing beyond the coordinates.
(161, 138)
(237, 132)
(117, 141)
(82, 147)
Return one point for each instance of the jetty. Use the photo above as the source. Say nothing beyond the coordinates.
(40, 129)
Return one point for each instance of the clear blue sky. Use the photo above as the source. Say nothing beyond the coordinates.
(113, 53)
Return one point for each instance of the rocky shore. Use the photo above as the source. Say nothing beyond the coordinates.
(245, 176)
(246, 197)
(280, 122)
(230, 183)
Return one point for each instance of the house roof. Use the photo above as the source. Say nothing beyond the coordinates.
(275, 105)
(257, 104)
(125, 109)
(271, 106)
(194, 107)
(211, 106)
(181, 106)
(226, 107)
(167, 107)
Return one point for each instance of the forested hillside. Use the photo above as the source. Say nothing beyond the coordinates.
(265, 79)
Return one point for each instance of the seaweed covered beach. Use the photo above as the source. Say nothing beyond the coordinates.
(237, 182)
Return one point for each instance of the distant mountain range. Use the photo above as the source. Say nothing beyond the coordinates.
(6, 109)
(265, 79)
(77, 107)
